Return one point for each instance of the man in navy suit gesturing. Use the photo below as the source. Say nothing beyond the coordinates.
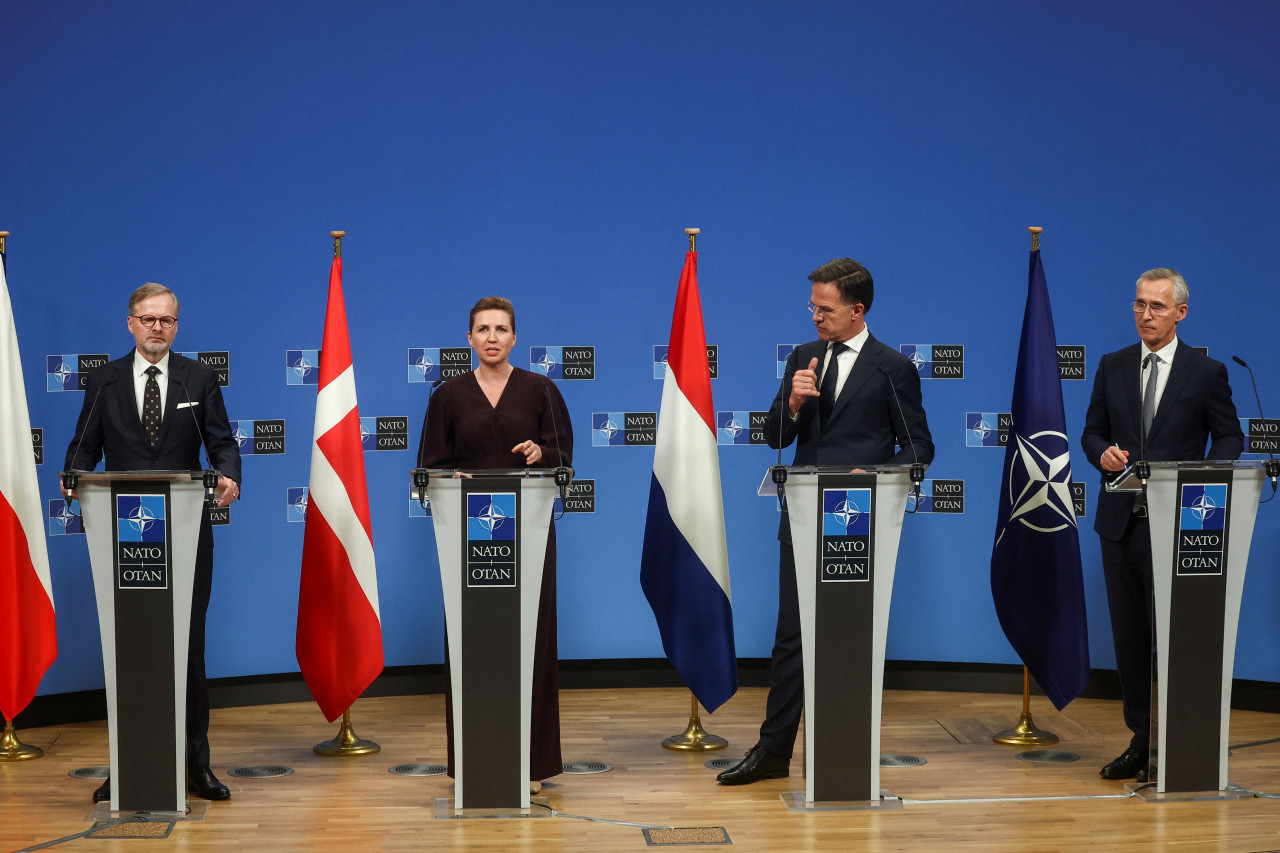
(1164, 396)
(153, 410)
(846, 399)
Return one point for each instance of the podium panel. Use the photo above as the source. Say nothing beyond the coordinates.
(845, 530)
(1201, 518)
(143, 529)
(491, 537)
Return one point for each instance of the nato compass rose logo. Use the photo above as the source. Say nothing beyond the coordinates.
(61, 372)
(1203, 507)
(240, 436)
(491, 517)
(302, 367)
(547, 361)
(62, 521)
(420, 365)
(296, 500)
(1039, 478)
(140, 518)
(605, 431)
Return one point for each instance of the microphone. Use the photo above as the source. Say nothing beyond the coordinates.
(917, 467)
(563, 473)
(1272, 464)
(419, 474)
(1143, 467)
(210, 476)
(778, 473)
(69, 477)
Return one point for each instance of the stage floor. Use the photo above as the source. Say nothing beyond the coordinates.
(971, 794)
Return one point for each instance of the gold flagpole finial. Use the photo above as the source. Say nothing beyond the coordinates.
(337, 242)
(693, 238)
(1035, 237)
(4, 235)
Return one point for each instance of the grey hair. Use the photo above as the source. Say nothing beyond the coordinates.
(149, 290)
(1180, 292)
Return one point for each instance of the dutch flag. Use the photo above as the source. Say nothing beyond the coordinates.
(684, 568)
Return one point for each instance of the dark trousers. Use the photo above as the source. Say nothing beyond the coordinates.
(197, 684)
(1126, 565)
(786, 673)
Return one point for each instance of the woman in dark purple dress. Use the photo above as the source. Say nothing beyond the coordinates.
(499, 416)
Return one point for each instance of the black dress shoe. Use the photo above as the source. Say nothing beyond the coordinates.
(205, 785)
(103, 792)
(1127, 765)
(759, 764)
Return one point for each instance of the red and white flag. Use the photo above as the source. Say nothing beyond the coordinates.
(28, 637)
(339, 628)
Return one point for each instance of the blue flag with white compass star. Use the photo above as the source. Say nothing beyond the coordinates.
(1036, 579)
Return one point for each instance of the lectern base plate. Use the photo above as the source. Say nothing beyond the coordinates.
(795, 802)
(196, 810)
(1149, 794)
(446, 811)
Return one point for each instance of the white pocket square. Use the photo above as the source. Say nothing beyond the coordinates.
(187, 405)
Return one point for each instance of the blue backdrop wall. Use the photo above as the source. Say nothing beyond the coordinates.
(552, 152)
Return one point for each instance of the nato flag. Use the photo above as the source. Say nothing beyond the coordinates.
(1036, 579)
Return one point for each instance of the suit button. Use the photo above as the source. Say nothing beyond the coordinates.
(822, 444)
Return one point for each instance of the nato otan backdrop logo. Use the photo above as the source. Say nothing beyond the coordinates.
(219, 360)
(741, 427)
(936, 361)
(623, 429)
(427, 364)
(301, 367)
(563, 362)
(296, 504)
(784, 352)
(71, 372)
(63, 521)
(939, 496)
(987, 429)
(259, 438)
(660, 361)
(384, 433)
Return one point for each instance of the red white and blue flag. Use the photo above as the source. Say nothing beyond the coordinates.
(684, 568)
(339, 627)
(28, 637)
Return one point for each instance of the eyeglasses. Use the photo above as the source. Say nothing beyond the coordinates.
(148, 321)
(824, 312)
(1157, 309)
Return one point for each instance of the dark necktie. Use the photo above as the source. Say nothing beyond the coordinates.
(828, 388)
(1149, 398)
(151, 405)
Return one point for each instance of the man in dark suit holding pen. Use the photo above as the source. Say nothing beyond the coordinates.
(1171, 399)
(154, 410)
(846, 399)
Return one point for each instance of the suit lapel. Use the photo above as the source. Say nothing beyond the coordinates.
(863, 366)
(1178, 373)
(1130, 387)
(176, 394)
(127, 399)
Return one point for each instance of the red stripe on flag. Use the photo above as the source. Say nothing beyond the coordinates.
(28, 634)
(339, 636)
(687, 353)
(335, 349)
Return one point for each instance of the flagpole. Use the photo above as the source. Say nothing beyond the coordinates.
(694, 737)
(12, 749)
(346, 742)
(1026, 733)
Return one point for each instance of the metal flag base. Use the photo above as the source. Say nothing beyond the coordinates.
(695, 738)
(346, 743)
(12, 749)
(1025, 734)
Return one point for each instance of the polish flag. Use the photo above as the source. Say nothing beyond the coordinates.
(339, 629)
(28, 638)
(684, 566)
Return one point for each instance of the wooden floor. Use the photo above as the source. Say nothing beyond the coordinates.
(971, 795)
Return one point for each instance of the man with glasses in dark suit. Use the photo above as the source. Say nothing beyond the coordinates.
(1163, 395)
(154, 410)
(846, 399)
